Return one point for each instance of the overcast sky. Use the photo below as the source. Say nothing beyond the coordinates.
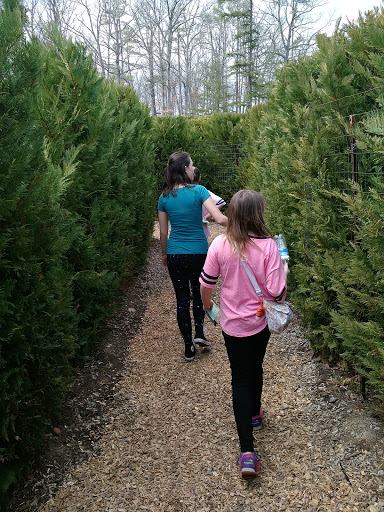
(349, 9)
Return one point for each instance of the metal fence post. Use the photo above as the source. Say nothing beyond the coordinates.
(355, 171)
(355, 180)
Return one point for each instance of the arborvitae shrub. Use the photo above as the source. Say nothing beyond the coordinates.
(37, 318)
(299, 158)
(201, 138)
(111, 192)
(169, 134)
(216, 143)
(76, 214)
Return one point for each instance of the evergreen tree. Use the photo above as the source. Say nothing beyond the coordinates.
(38, 323)
(76, 214)
(247, 38)
(316, 156)
(216, 95)
(109, 130)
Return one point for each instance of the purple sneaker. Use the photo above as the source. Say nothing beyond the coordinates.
(249, 464)
(257, 421)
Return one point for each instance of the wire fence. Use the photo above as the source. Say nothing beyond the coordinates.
(352, 157)
(226, 160)
(351, 163)
(352, 160)
(356, 157)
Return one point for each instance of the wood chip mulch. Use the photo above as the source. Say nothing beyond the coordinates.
(170, 443)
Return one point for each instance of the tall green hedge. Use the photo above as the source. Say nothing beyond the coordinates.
(201, 137)
(77, 194)
(111, 194)
(169, 134)
(300, 159)
(217, 145)
(37, 320)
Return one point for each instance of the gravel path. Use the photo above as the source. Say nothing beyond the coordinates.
(170, 442)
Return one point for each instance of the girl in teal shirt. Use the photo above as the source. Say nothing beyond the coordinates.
(184, 252)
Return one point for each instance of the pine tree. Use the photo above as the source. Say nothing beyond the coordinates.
(112, 184)
(38, 322)
(247, 38)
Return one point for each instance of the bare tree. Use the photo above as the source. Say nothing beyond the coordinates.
(186, 56)
(191, 38)
(147, 18)
(293, 26)
(43, 13)
(90, 30)
(118, 35)
(32, 9)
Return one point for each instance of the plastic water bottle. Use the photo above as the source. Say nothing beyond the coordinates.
(282, 246)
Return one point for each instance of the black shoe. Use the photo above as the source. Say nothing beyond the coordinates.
(189, 351)
(201, 341)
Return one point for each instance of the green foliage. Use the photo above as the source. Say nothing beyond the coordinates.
(299, 146)
(113, 177)
(216, 91)
(204, 139)
(38, 321)
(76, 214)
(169, 134)
(248, 42)
(357, 321)
(216, 143)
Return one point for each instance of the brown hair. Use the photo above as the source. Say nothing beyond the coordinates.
(175, 172)
(196, 176)
(245, 216)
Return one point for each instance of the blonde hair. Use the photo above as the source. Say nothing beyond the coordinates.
(245, 217)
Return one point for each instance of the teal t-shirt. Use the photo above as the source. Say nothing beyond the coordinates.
(185, 215)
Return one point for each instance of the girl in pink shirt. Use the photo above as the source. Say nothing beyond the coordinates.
(246, 335)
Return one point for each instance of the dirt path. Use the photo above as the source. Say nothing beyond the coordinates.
(170, 442)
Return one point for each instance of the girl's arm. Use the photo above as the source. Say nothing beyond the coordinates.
(206, 294)
(163, 224)
(219, 202)
(209, 216)
(215, 212)
(276, 275)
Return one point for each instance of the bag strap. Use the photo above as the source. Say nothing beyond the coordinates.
(252, 278)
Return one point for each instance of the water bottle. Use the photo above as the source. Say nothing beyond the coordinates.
(282, 246)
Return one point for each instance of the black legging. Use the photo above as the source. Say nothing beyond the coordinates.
(185, 270)
(246, 357)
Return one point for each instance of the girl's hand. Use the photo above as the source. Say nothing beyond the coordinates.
(286, 270)
(164, 260)
(209, 306)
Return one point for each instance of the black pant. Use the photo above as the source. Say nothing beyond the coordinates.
(185, 270)
(246, 357)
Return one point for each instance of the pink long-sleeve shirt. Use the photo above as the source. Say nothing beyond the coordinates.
(238, 299)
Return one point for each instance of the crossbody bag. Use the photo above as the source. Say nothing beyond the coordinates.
(278, 314)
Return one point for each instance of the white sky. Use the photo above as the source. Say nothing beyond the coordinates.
(349, 9)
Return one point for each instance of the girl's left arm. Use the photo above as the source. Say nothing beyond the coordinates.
(210, 274)
(215, 212)
(163, 224)
(218, 201)
(206, 294)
